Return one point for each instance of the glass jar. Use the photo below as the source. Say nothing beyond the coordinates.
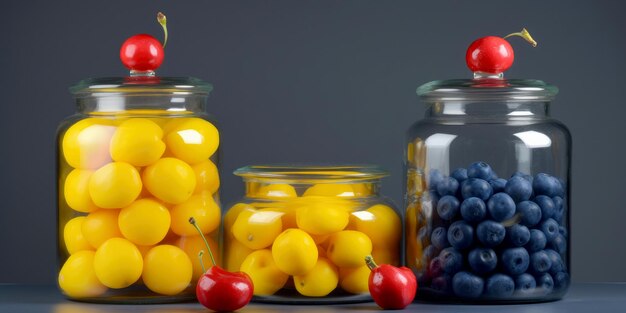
(487, 193)
(137, 159)
(302, 232)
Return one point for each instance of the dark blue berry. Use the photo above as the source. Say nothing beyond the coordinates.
(473, 210)
(435, 267)
(558, 244)
(497, 184)
(539, 262)
(467, 285)
(448, 186)
(476, 187)
(501, 207)
(537, 241)
(544, 184)
(517, 235)
(499, 286)
(527, 177)
(429, 253)
(550, 228)
(515, 261)
(525, 284)
(460, 235)
(529, 212)
(480, 170)
(560, 189)
(451, 260)
(559, 208)
(561, 280)
(557, 262)
(439, 238)
(490, 233)
(547, 206)
(482, 260)
(442, 284)
(448, 207)
(545, 283)
(434, 178)
(460, 174)
(518, 188)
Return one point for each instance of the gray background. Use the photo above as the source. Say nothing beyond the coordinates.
(310, 81)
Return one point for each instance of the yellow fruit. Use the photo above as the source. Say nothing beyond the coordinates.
(257, 229)
(207, 177)
(192, 140)
(118, 263)
(361, 190)
(86, 143)
(115, 185)
(137, 141)
(170, 180)
(276, 191)
(77, 277)
(319, 281)
(355, 279)
(294, 252)
(73, 236)
(381, 223)
(288, 216)
(322, 217)
(192, 245)
(76, 191)
(349, 248)
(100, 226)
(144, 222)
(232, 214)
(330, 190)
(202, 208)
(234, 254)
(265, 275)
(167, 270)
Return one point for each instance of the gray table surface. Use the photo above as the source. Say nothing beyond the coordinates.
(594, 298)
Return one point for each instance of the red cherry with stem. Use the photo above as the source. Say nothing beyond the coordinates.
(391, 287)
(493, 55)
(143, 52)
(218, 289)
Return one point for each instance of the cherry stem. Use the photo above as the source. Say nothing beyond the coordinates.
(369, 261)
(524, 34)
(200, 254)
(192, 221)
(163, 21)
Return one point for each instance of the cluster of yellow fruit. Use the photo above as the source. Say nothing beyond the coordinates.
(319, 239)
(132, 186)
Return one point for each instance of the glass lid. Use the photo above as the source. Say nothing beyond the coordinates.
(487, 89)
(312, 173)
(141, 85)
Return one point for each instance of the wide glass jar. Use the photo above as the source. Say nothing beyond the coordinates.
(136, 161)
(487, 193)
(302, 232)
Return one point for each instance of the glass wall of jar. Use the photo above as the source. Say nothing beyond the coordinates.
(137, 159)
(487, 193)
(302, 232)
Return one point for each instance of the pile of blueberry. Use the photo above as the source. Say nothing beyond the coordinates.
(493, 237)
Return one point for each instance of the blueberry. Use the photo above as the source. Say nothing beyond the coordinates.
(515, 261)
(544, 184)
(460, 174)
(448, 207)
(439, 238)
(476, 187)
(497, 184)
(442, 284)
(451, 260)
(550, 228)
(460, 235)
(529, 212)
(447, 186)
(559, 208)
(490, 233)
(429, 253)
(539, 262)
(434, 178)
(547, 206)
(561, 280)
(527, 177)
(563, 231)
(517, 235)
(480, 170)
(473, 210)
(501, 207)
(467, 285)
(560, 187)
(558, 244)
(537, 241)
(499, 286)
(518, 188)
(557, 262)
(525, 284)
(482, 260)
(545, 283)
(435, 267)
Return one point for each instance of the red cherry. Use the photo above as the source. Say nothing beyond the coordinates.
(489, 55)
(223, 291)
(391, 287)
(142, 53)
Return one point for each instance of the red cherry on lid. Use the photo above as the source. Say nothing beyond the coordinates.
(493, 55)
(142, 53)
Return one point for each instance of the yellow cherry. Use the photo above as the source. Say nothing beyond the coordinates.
(207, 177)
(115, 185)
(167, 270)
(192, 140)
(73, 236)
(355, 279)
(170, 180)
(294, 252)
(265, 275)
(319, 281)
(144, 222)
(257, 229)
(77, 277)
(137, 141)
(86, 143)
(201, 207)
(76, 191)
(118, 263)
(100, 226)
(349, 248)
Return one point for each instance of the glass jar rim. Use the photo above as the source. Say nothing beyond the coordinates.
(311, 173)
(143, 85)
(487, 89)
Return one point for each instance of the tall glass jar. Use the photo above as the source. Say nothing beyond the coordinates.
(302, 233)
(137, 159)
(487, 193)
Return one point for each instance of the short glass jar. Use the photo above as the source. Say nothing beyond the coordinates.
(302, 232)
(137, 160)
(487, 193)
